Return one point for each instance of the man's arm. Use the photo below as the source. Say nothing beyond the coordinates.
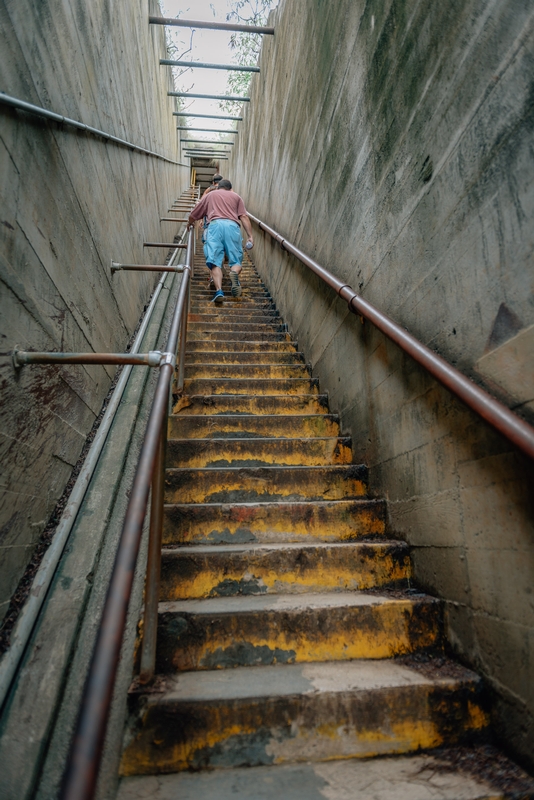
(198, 211)
(245, 221)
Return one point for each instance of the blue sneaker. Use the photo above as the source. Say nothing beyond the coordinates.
(218, 297)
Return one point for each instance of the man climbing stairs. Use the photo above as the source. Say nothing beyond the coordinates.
(291, 639)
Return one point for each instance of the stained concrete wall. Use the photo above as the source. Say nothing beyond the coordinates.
(392, 141)
(38, 717)
(69, 204)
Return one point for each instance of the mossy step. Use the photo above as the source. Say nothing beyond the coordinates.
(258, 630)
(248, 281)
(248, 370)
(248, 345)
(241, 404)
(281, 568)
(240, 357)
(232, 305)
(248, 426)
(247, 293)
(222, 325)
(253, 386)
(227, 334)
(251, 716)
(230, 521)
(268, 485)
(258, 452)
(231, 316)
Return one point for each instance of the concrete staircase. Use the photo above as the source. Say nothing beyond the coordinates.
(291, 640)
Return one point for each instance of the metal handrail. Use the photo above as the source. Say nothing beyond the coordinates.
(22, 105)
(85, 754)
(154, 358)
(28, 615)
(485, 405)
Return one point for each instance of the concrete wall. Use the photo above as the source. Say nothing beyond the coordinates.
(392, 141)
(70, 203)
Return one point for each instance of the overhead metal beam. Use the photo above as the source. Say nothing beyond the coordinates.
(169, 62)
(204, 153)
(204, 130)
(194, 148)
(217, 26)
(207, 141)
(205, 116)
(211, 97)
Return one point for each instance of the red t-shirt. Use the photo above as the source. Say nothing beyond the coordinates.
(220, 204)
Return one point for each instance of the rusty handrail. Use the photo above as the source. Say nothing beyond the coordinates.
(485, 405)
(85, 754)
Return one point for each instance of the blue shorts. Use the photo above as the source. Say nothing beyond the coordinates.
(223, 237)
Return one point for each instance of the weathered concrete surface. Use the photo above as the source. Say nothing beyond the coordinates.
(392, 141)
(302, 712)
(39, 715)
(264, 484)
(247, 569)
(423, 777)
(251, 426)
(283, 520)
(70, 203)
(511, 367)
(253, 630)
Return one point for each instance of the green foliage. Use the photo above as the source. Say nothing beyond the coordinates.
(246, 46)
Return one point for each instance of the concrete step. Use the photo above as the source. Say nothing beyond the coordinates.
(251, 386)
(195, 453)
(258, 630)
(252, 716)
(247, 293)
(460, 773)
(222, 325)
(266, 485)
(232, 305)
(202, 276)
(204, 273)
(241, 346)
(241, 404)
(249, 281)
(228, 335)
(249, 426)
(232, 315)
(281, 568)
(201, 283)
(264, 521)
(240, 357)
(248, 371)
(202, 286)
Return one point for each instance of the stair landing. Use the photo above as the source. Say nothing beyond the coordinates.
(450, 774)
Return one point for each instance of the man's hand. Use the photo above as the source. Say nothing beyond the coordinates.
(245, 221)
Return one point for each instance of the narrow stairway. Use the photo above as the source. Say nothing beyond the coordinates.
(290, 637)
